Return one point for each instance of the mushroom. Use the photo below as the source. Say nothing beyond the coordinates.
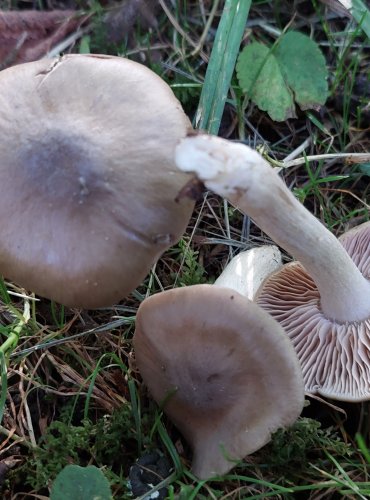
(246, 272)
(223, 370)
(323, 302)
(87, 176)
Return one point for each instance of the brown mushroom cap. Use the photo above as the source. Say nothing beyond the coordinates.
(335, 356)
(87, 176)
(225, 372)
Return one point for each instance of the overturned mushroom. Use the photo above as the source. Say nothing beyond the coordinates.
(223, 369)
(322, 303)
(246, 272)
(87, 176)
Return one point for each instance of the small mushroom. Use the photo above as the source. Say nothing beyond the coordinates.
(246, 272)
(87, 176)
(223, 370)
(323, 302)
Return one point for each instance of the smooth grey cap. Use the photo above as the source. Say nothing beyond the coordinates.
(87, 176)
(223, 370)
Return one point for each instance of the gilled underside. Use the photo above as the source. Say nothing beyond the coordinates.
(335, 357)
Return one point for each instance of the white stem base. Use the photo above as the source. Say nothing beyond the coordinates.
(246, 272)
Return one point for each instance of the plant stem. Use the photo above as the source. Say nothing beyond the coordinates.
(12, 340)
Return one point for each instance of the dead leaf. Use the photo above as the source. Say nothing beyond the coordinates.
(28, 35)
(121, 20)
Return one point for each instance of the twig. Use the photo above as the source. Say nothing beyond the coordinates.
(209, 22)
(350, 158)
(15, 437)
(64, 44)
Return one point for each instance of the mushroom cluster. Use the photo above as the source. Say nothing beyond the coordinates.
(87, 175)
(89, 192)
(222, 369)
(323, 302)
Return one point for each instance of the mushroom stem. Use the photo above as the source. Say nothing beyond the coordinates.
(241, 175)
(246, 272)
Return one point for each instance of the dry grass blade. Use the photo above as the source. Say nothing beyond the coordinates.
(105, 397)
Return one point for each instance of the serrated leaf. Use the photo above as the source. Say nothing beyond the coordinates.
(270, 78)
(304, 69)
(80, 483)
(261, 79)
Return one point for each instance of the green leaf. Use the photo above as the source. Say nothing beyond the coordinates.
(293, 70)
(364, 168)
(261, 79)
(80, 483)
(304, 69)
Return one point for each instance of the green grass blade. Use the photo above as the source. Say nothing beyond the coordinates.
(4, 384)
(166, 440)
(221, 65)
(362, 15)
(362, 445)
(136, 412)
(4, 292)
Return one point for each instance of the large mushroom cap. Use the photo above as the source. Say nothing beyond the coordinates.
(87, 176)
(335, 356)
(223, 368)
